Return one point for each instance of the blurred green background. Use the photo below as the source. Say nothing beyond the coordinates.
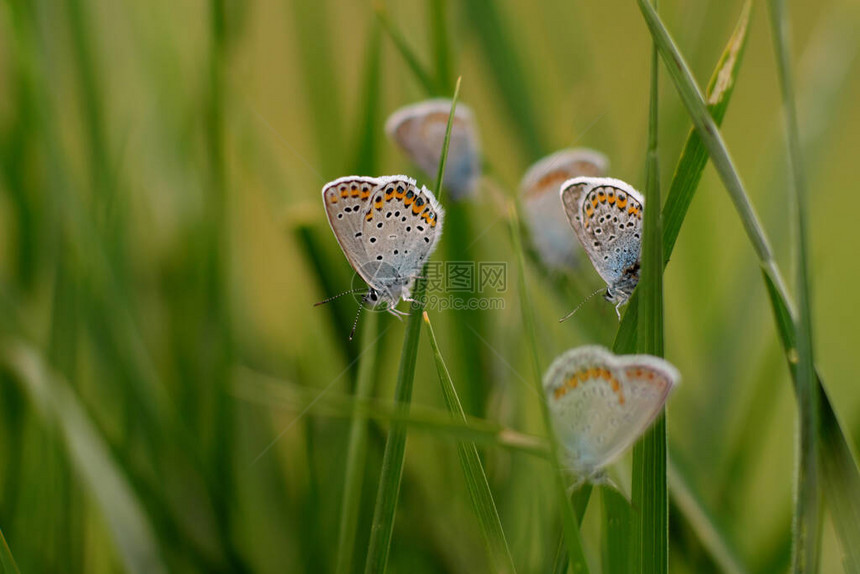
(167, 385)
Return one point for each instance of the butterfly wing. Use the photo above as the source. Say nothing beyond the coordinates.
(646, 382)
(420, 131)
(346, 200)
(606, 216)
(402, 225)
(586, 405)
(539, 189)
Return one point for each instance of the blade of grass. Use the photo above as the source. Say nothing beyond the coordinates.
(395, 447)
(691, 165)
(572, 538)
(807, 516)
(418, 69)
(703, 523)
(356, 453)
(618, 530)
(272, 392)
(6, 558)
(841, 475)
(438, 19)
(650, 543)
(507, 71)
(476, 479)
(579, 500)
(58, 404)
(356, 456)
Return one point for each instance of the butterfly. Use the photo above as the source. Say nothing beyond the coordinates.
(548, 226)
(606, 216)
(601, 403)
(419, 130)
(387, 228)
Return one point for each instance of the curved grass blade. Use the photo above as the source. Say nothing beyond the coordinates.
(418, 69)
(6, 558)
(572, 538)
(479, 489)
(395, 447)
(88, 452)
(807, 517)
(650, 542)
(840, 472)
(691, 165)
(703, 523)
(270, 392)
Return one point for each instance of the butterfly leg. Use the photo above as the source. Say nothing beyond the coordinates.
(397, 313)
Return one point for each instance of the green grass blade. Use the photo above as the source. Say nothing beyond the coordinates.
(395, 447)
(507, 70)
(650, 543)
(58, 404)
(476, 479)
(438, 19)
(356, 453)
(6, 558)
(314, 45)
(421, 74)
(807, 517)
(841, 471)
(356, 456)
(708, 531)
(269, 392)
(618, 531)
(572, 538)
(691, 165)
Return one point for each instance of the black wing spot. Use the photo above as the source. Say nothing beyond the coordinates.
(373, 240)
(420, 228)
(408, 228)
(426, 240)
(397, 214)
(379, 225)
(347, 209)
(396, 252)
(403, 218)
(388, 214)
(340, 216)
(358, 234)
(379, 257)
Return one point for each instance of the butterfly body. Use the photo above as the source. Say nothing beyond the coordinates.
(387, 228)
(606, 217)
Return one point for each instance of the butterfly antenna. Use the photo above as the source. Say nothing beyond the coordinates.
(324, 301)
(355, 323)
(569, 315)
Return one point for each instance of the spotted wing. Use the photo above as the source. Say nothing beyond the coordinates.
(402, 225)
(587, 406)
(346, 200)
(539, 189)
(420, 131)
(606, 216)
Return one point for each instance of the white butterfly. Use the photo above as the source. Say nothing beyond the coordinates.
(602, 403)
(419, 130)
(387, 228)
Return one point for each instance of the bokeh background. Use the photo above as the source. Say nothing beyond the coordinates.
(167, 385)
